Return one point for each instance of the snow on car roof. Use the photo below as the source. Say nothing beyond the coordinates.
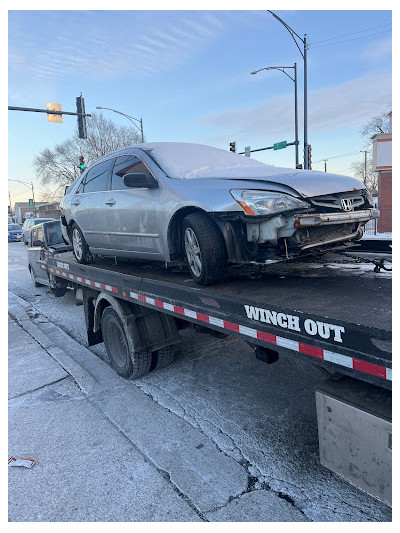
(192, 161)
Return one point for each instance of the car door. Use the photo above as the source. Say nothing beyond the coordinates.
(89, 205)
(132, 212)
(34, 253)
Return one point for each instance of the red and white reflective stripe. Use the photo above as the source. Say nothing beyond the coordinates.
(320, 353)
(73, 277)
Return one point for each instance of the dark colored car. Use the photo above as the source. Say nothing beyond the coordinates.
(44, 239)
(14, 232)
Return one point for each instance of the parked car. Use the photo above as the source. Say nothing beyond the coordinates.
(179, 201)
(14, 232)
(29, 222)
(44, 239)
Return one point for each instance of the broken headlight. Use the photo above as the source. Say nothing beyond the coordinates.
(255, 202)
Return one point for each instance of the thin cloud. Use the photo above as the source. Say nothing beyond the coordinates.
(346, 105)
(150, 49)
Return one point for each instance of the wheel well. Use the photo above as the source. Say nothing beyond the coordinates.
(69, 227)
(175, 241)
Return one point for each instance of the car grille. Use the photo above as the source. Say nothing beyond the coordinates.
(352, 202)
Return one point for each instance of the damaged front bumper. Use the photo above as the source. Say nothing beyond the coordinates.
(290, 235)
(319, 219)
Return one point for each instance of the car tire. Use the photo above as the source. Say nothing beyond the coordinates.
(162, 358)
(126, 364)
(35, 283)
(204, 248)
(79, 244)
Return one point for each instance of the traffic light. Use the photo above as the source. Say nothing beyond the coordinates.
(80, 108)
(232, 147)
(81, 163)
(309, 156)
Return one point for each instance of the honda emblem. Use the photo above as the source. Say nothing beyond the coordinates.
(347, 204)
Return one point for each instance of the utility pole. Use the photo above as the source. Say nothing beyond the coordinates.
(296, 123)
(303, 53)
(325, 160)
(365, 152)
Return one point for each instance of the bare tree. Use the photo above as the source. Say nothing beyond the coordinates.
(371, 181)
(378, 124)
(51, 195)
(61, 164)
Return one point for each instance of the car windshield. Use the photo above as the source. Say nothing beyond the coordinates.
(54, 234)
(12, 227)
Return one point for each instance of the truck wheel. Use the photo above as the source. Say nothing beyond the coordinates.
(162, 358)
(125, 363)
(81, 249)
(205, 249)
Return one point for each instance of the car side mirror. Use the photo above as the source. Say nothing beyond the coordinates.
(37, 242)
(138, 180)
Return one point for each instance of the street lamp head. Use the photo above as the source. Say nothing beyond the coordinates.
(99, 107)
(254, 72)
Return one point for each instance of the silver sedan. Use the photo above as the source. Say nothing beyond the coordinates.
(176, 202)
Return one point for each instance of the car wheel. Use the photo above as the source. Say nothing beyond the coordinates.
(81, 249)
(204, 248)
(33, 277)
(125, 363)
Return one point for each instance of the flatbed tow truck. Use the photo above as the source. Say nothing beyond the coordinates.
(318, 313)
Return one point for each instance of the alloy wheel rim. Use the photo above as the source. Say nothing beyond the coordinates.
(77, 244)
(193, 254)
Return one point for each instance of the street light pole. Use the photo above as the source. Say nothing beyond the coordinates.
(304, 56)
(294, 79)
(132, 119)
(30, 185)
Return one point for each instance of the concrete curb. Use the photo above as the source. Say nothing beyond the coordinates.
(18, 310)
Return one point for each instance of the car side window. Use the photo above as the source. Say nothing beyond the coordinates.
(97, 177)
(79, 189)
(39, 234)
(33, 236)
(127, 164)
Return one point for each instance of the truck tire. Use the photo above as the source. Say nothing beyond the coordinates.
(205, 250)
(81, 249)
(127, 364)
(162, 358)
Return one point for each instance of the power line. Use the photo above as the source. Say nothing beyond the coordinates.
(352, 33)
(347, 40)
(336, 156)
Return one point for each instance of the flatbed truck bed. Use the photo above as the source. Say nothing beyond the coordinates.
(339, 319)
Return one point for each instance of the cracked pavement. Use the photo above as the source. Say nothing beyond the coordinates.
(217, 436)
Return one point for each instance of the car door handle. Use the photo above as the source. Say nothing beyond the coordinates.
(76, 202)
(110, 202)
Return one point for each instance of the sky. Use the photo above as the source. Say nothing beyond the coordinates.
(186, 73)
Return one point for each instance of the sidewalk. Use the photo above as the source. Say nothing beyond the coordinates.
(86, 470)
(105, 450)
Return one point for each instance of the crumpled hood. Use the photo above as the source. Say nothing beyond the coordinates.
(310, 183)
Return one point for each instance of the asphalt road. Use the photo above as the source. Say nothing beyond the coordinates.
(257, 455)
